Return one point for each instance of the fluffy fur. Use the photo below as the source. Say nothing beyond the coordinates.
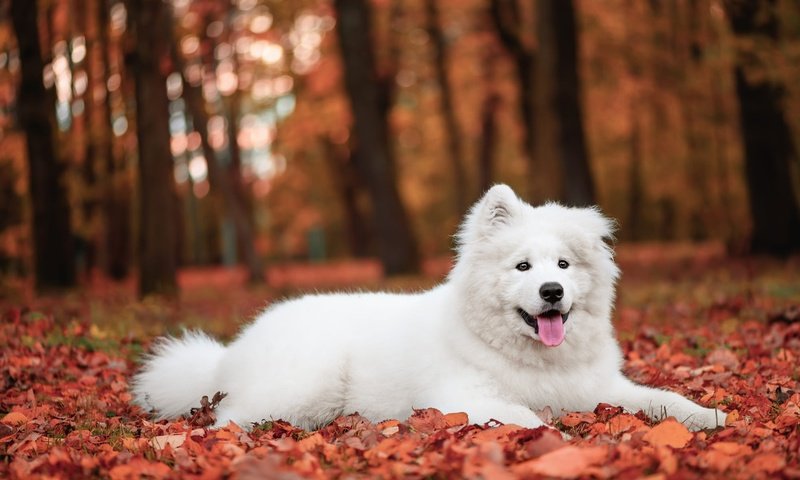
(469, 344)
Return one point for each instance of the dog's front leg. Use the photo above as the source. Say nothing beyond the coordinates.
(658, 404)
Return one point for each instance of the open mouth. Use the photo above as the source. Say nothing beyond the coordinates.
(549, 325)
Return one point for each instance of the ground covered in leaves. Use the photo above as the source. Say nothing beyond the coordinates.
(721, 334)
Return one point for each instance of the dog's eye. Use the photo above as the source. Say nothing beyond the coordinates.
(522, 266)
(563, 264)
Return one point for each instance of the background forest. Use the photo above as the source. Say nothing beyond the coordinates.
(256, 132)
(178, 164)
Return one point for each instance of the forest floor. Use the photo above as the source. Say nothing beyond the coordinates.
(721, 331)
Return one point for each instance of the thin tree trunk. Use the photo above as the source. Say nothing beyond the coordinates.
(90, 162)
(116, 194)
(562, 164)
(688, 67)
(52, 235)
(397, 249)
(341, 162)
(220, 182)
(239, 200)
(507, 21)
(454, 150)
(636, 191)
(157, 203)
(769, 150)
(488, 136)
(550, 100)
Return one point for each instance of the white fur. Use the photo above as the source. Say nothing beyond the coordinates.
(461, 346)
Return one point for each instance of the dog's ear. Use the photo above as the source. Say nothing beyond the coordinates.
(592, 220)
(498, 207)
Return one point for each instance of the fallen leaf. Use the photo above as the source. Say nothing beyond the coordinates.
(668, 433)
(623, 423)
(14, 418)
(570, 461)
(767, 463)
(162, 441)
(311, 442)
(427, 420)
(496, 434)
(573, 419)
(455, 419)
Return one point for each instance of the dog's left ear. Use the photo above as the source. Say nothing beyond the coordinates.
(592, 220)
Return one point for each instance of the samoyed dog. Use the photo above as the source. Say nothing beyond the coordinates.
(522, 322)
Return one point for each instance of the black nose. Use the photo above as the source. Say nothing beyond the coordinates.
(551, 292)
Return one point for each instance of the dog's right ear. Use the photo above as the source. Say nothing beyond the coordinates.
(498, 208)
(500, 205)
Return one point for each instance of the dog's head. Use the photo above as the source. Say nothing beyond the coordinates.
(538, 272)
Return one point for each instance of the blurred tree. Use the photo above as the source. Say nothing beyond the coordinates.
(341, 160)
(221, 182)
(454, 150)
(396, 246)
(52, 234)
(149, 22)
(770, 154)
(487, 140)
(561, 170)
(116, 186)
(550, 105)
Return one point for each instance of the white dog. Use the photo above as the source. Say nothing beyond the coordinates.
(522, 323)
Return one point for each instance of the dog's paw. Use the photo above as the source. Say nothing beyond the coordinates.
(705, 418)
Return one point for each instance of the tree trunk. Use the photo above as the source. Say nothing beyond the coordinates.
(397, 249)
(454, 150)
(507, 21)
(224, 182)
(220, 181)
(149, 20)
(549, 100)
(488, 136)
(341, 160)
(768, 146)
(116, 191)
(562, 164)
(635, 183)
(52, 234)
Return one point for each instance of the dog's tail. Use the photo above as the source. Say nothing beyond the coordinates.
(176, 375)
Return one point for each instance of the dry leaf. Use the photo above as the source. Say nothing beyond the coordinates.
(568, 462)
(455, 419)
(669, 433)
(14, 418)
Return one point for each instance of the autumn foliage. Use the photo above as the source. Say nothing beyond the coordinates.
(66, 411)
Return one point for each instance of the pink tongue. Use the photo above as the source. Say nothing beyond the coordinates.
(551, 329)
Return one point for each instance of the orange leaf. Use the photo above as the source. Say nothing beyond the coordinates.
(716, 461)
(667, 459)
(496, 433)
(573, 419)
(733, 416)
(767, 462)
(160, 442)
(568, 462)
(731, 448)
(669, 433)
(623, 423)
(14, 418)
(311, 442)
(456, 418)
(427, 420)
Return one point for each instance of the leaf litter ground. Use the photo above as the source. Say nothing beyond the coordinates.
(718, 331)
